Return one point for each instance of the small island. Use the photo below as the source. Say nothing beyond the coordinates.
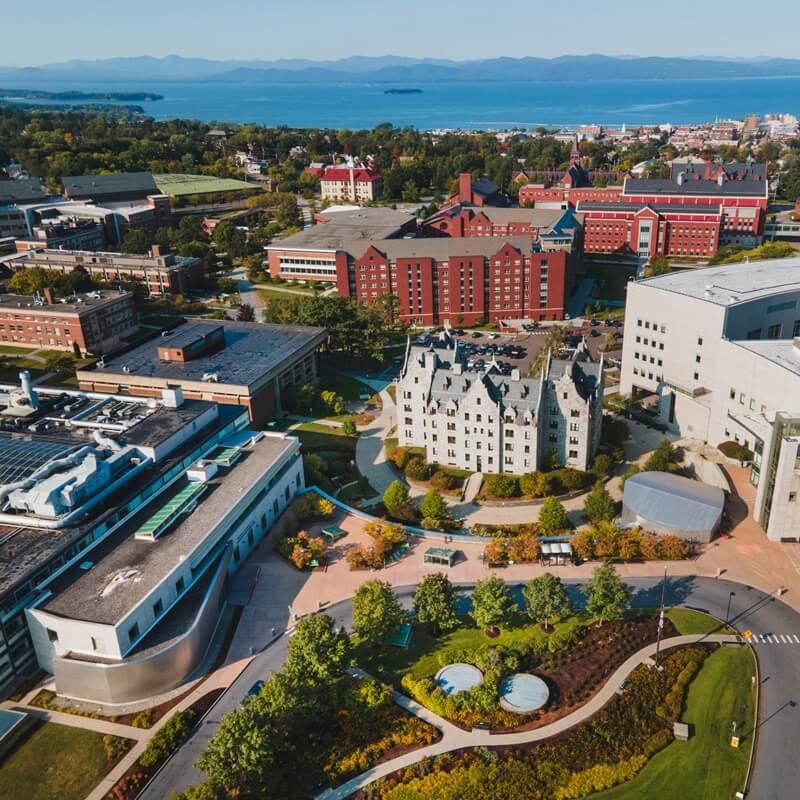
(120, 97)
(403, 91)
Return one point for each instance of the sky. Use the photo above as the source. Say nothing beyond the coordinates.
(48, 31)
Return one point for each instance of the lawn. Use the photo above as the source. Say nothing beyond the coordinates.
(314, 437)
(349, 388)
(687, 621)
(706, 765)
(177, 184)
(56, 762)
(296, 293)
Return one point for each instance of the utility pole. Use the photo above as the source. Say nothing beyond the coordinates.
(661, 616)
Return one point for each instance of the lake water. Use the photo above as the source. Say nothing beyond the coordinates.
(483, 105)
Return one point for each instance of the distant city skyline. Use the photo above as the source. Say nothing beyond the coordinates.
(49, 32)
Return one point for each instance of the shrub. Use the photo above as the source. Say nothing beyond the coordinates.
(501, 486)
(400, 457)
(535, 484)
(599, 504)
(523, 548)
(396, 496)
(115, 747)
(573, 479)
(441, 481)
(562, 640)
(417, 469)
(736, 450)
(168, 738)
(601, 466)
(496, 551)
(433, 506)
(661, 458)
(634, 470)
(144, 719)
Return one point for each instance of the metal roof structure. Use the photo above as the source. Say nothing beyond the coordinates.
(22, 454)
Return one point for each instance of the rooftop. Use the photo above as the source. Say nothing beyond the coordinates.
(77, 186)
(22, 190)
(125, 569)
(660, 208)
(441, 248)
(74, 304)
(729, 284)
(347, 226)
(252, 353)
(783, 352)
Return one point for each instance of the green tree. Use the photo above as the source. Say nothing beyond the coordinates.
(434, 507)
(334, 402)
(137, 240)
(657, 266)
(535, 484)
(246, 313)
(396, 497)
(607, 597)
(492, 605)
(318, 652)
(376, 611)
(601, 466)
(349, 428)
(599, 504)
(553, 516)
(61, 363)
(546, 599)
(435, 603)
(661, 458)
(304, 397)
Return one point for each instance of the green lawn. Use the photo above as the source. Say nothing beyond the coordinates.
(296, 293)
(687, 621)
(178, 184)
(349, 388)
(56, 762)
(421, 658)
(706, 766)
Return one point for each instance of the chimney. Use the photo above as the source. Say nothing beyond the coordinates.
(155, 251)
(49, 297)
(465, 187)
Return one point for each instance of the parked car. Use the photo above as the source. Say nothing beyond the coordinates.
(494, 335)
(476, 334)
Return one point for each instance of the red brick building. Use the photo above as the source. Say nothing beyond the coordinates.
(459, 221)
(648, 230)
(460, 280)
(536, 193)
(351, 184)
(95, 322)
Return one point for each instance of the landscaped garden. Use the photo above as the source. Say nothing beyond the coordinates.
(59, 761)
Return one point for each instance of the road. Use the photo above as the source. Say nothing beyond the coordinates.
(776, 772)
(247, 293)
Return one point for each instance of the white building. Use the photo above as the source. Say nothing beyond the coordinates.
(719, 348)
(351, 184)
(489, 422)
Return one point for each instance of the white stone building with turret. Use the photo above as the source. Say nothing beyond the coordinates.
(484, 421)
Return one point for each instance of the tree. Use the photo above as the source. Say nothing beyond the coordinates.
(349, 428)
(492, 605)
(657, 266)
(246, 313)
(553, 516)
(546, 599)
(535, 484)
(318, 652)
(606, 595)
(435, 603)
(434, 507)
(601, 466)
(61, 363)
(334, 402)
(661, 458)
(376, 611)
(304, 397)
(396, 497)
(599, 504)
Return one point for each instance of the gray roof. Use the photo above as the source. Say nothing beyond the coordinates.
(252, 353)
(441, 248)
(538, 217)
(483, 186)
(347, 226)
(22, 190)
(77, 303)
(82, 594)
(748, 180)
(729, 284)
(660, 208)
(672, 502)
(783, 352)
(77, 186)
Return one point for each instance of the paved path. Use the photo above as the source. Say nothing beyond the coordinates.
(247, 294)
(777, 769)
(370, 455)
(454, 738)
(77, 721)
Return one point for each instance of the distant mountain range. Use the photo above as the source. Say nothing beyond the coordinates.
(400, 69)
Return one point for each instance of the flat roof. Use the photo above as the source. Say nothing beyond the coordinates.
(22, 190)
(76, 304)
(729, 284)
(252, 351)
(113, 183)
(659, 208)
(783, 352)
(346, 226)
(178, 185)
(137, 566)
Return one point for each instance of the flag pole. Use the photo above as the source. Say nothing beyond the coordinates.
(661, 616)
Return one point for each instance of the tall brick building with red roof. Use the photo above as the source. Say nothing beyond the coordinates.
(350, 184)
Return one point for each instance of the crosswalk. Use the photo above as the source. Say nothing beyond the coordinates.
(775, 638)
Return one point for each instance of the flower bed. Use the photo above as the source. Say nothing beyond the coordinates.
(607, 750)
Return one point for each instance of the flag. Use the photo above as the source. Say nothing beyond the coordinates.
(661, 620)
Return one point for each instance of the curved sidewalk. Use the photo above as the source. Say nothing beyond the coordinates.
(457, 739)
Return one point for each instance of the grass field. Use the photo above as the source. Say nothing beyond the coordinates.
(706, 766)
(349, 388)
(177, 185)
(56, 762)
(687, 621)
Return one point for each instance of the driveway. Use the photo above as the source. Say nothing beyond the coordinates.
(776, 626)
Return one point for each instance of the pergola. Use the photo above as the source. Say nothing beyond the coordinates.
(440, 555)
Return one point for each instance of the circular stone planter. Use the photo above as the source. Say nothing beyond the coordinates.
(523, 693)
(455, 678)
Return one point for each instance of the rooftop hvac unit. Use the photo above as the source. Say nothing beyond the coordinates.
(211, 377)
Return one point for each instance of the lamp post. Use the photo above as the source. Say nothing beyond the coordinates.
(661, 616)
(731, 595)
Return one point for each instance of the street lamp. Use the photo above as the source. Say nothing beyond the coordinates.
(731, 595)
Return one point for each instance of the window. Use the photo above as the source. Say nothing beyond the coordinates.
(179, 584)
(573, 453)
(733, 393)
(52, 635)
(774, 331)
(697, 376)
(158, 607)
(792, 497)
(697, 359)
(97, 644)
(133, 633)
(700, 341)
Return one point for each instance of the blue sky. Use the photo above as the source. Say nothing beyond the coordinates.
(47, 31)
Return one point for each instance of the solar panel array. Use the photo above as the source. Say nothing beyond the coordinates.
(22, 455)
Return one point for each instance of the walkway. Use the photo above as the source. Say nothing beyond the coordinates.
(370, 455)
(454, 738)
(247, 294)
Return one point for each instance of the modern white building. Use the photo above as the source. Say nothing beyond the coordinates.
(484, 421)
(719, 350)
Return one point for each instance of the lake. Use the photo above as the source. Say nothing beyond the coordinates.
(484, 105)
